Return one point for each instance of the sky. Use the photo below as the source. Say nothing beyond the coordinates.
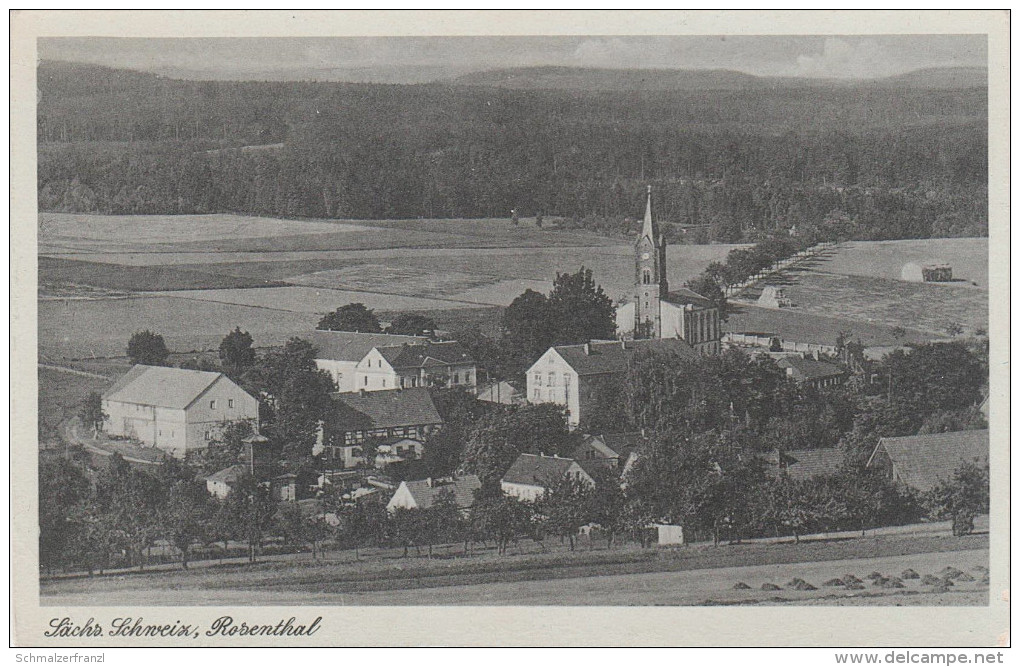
(414, 59)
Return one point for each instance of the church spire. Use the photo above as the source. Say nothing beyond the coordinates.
(650, 228)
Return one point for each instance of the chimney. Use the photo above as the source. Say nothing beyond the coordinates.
(587, 349)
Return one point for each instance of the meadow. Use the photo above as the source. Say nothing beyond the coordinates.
(544, 574)
(194, 278)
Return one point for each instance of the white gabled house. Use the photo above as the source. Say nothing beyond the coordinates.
(174, 409)
(532, 475)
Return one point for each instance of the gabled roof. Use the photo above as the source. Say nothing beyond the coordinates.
(613, 356)
(161, 386)
(228, 475)
(618, 445)
(353, 346)
(807, 463)
(463, 489)
(684, 296)
(385, 409)
(921, 461)
(811, 369)
(500, 392)
(427, 354)
(537, 470)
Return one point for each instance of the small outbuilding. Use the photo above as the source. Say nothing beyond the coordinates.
(931, 272)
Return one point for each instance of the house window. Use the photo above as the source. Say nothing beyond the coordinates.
(456, 378)
(208, 435)
(552, 379)
(212, 405)
(538, 379)
(230, 402)
(538, 395)
(366, 380)
(384, 382)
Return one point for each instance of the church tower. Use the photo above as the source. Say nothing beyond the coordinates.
(650, 285)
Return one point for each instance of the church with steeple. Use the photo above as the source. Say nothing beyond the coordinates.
(652, 310)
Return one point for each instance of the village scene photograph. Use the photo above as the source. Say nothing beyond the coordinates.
(581, 320)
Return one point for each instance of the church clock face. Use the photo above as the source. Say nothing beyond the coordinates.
(644, 255)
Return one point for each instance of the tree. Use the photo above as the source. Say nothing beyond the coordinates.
(961, 498)
(184, 517)
(529, 329)
(251, 508)
(298, 394)
(500, 436)
(708, 286)
(351, 317)
(91, 413)
(146, 347)
(236, 352)
(411, 324)
(581, 309)
(566, 505)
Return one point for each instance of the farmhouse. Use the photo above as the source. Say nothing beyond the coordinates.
(531, 475)
(419, 364)
(653, 311)
(375, 417)
(922, 461)
(174, 409)
(576, 376)
(612, 450)
(812, 372)
(339, 352)
(422, 493)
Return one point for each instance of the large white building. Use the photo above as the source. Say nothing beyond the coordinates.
(174, 409)
(340, 352)
(574, 375)
(653, 311)
(408, 366)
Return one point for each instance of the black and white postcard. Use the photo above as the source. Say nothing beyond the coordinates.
(534, 328)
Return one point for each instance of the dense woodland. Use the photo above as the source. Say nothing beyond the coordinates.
(736, 164)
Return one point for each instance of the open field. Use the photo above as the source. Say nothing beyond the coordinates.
(925, 307)
(85, 234)
(885, 259)
(101, 328)
(197, 276)
(56, 275)
(695, 575)
(804, 327)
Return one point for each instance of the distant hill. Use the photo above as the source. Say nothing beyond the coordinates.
(940, 78)
(573, 78)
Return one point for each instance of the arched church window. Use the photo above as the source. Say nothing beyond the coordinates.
(646, 277)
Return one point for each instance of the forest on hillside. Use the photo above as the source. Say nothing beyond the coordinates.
(730, 164)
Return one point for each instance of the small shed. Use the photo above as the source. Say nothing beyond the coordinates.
(668, 534)
(928, 272)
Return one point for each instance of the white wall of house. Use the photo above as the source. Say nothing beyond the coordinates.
(552, 380)
(342, 373)
(526, 492)
(374, 373)
(401, 498)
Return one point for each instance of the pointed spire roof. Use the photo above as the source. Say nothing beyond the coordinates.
(649, 229)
